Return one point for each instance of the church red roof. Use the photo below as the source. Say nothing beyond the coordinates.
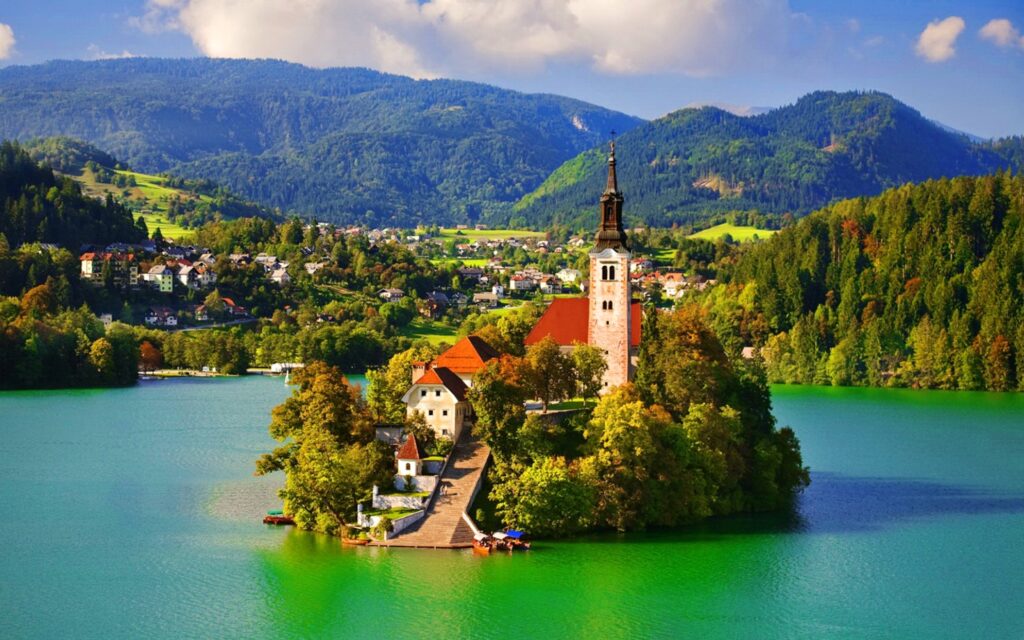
(409, 450)
(566, 320)
(469, 355)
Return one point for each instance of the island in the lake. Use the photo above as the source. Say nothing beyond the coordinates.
(677, 431)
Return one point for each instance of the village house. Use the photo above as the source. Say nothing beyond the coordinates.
(550, 284)
(438, 390)
(160, 277)
(486, 299)
(568, 276)
(390, 295)
(522, 282)
(640, 265)
(123, 267)
(187, 276)
(205, 276)
(440, 396)
(470, 274)
(161, 316)
(435, 305)
(280, 276)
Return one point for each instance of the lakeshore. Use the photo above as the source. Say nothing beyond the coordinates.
(146, 523)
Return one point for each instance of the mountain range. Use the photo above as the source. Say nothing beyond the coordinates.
(357, 146)
(338, 144)
(697, 162)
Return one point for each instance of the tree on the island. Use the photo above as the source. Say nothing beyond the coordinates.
(387, 384)
(589, 366)
(158, 236)
(648, 374)
(140, 224)
(328, 479)
(150, 358)
(552, 496)
(497, 395)
(329, 453)
(550, 374)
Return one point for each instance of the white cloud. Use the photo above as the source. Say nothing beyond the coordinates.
(97, 53)
(693, 37)
(1002, 32)
(935, 44)
(6, 40)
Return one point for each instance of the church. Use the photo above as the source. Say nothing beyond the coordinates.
(607, 318)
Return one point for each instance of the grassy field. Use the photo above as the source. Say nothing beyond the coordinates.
(431, 331)
(150, 193)
(469, 262)
(663, 256)
(740, 234)
(489, 234)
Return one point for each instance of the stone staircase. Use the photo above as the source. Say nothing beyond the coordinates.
(443, 525)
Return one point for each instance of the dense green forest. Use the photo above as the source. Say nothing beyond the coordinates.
(346, 145)
(922, 285)
(38, 206)
(696, 163)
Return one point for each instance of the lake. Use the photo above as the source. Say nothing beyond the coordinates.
(133, 513)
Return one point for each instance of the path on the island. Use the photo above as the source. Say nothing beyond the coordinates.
(443, 526)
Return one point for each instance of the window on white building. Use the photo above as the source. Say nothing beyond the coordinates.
(444, 413)
(430, 412)
(437, 393)
(423, 393)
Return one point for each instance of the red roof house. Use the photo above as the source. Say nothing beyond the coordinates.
(468, 356)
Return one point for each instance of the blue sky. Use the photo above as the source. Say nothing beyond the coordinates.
(645, 57)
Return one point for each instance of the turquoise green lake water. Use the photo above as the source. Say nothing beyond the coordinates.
(133, 513)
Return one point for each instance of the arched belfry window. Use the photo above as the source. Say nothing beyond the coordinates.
(611, 273)
(604, 272)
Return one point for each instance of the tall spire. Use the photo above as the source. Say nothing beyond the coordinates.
(613, 181)
(610, 233)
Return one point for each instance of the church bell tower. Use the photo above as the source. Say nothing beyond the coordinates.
(610, 297)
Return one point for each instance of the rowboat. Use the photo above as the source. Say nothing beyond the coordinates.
(277, 517)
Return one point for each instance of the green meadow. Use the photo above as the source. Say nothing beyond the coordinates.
(739, 234)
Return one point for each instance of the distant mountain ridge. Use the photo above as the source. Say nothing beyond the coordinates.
(350, 145)
(694, 163)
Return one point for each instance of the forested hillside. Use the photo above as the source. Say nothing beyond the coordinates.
(348, 145)
(920, 286)
(169, 203)
(694, 163)
(38, 206)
